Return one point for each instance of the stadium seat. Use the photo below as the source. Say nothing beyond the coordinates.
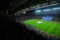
(47, 18)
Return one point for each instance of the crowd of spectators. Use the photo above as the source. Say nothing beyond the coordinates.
(12, 30)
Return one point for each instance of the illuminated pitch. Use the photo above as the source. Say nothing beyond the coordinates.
(50, 27)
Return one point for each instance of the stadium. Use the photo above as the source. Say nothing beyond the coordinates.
(30, 20)
(44, 20)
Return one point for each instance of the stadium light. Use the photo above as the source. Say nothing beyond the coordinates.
(56, 8)
(15, 14)
(24, 12)
(46, 9)
(38, 11)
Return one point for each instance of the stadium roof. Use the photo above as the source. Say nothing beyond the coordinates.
(29, 3)
(15, 5)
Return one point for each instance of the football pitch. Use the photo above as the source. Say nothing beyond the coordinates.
(50, 27)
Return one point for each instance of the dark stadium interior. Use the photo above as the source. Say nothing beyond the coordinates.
(12, 15)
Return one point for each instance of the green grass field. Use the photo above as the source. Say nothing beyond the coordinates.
(46, 26)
